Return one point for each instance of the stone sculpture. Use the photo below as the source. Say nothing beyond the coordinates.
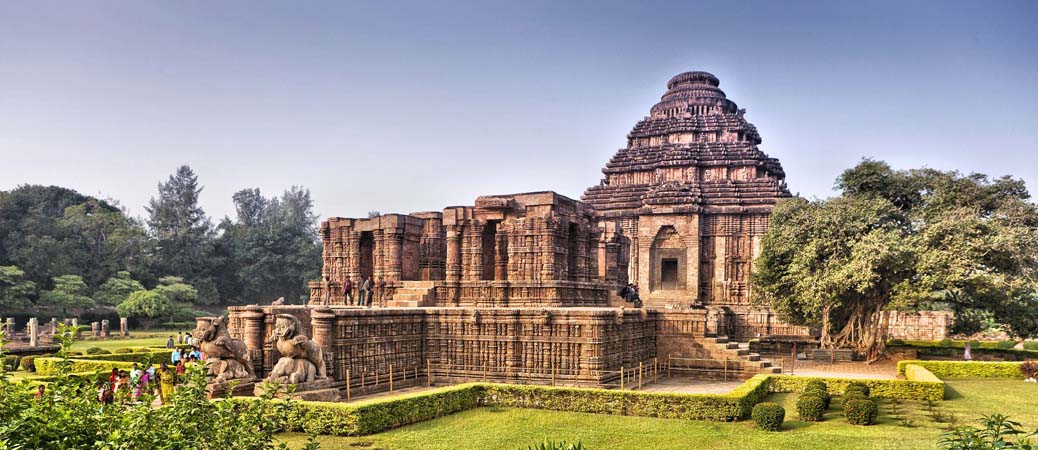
(227, 358)
(302, 360)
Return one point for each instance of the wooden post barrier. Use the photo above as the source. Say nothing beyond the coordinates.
(655, 369)
(428, 372)
(390, 378)
(347, 384)
(640, 370)
(553, 373)
(484, 371)
(726, 369)
(621, 378)
(669, 358)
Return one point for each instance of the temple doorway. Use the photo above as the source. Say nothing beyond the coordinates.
(489, 250)
(669, 274)
(367, 254)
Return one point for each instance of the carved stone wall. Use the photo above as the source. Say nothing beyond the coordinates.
(919, 325)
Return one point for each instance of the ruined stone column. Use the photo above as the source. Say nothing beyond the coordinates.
(104, 329)
(53, 326)
(124, 327)
(322, 321)
(9, 327)
(252, 334)
(75, 321)
(95, 329)
(34, 332)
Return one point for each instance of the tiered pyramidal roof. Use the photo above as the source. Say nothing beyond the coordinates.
(694, 153)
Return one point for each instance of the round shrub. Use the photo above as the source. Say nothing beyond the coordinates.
(945, 342)
(10, 362)
(768, 416)
(849, 396)
(816, 384)
(859, 387)
(820, 393)
(28, 363)
(123, 350)
(810, 407)
(94, 350)
(861, 411)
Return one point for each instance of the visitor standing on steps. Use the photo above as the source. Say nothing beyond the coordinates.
(347, 291)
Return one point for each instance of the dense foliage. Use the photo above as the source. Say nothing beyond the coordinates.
(810, 407)
(69, 416)
(917, 239)
(560, 445)
(64, 252)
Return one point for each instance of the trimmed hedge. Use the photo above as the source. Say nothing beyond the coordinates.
(10, 362)
(954, 349)
(768, 416)
(900, 389)
(965, 369)
(49, 366)
(915, 372)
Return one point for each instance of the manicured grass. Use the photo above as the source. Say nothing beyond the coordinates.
(136, 339)
(505, 428)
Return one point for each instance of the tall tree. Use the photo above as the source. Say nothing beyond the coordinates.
(69, 293)
(184, 233)
(145, 307)
(16, 292)
(272, 249)
(117, 289)
(902, 240)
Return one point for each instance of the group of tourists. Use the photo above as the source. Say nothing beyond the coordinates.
(630, 294)
(123, 385)
(366, 291)
(183, 338)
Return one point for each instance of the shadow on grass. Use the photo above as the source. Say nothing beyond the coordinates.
(950, 393)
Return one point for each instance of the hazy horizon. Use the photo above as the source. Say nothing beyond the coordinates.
(408, 107)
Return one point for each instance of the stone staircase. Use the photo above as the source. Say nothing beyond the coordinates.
(720, 347)
(413, 294)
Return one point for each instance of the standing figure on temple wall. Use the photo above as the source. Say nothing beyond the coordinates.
(365, 291)
(381, 288)
(347, 291)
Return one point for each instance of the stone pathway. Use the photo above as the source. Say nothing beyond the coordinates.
(882, 370)
(683, 385)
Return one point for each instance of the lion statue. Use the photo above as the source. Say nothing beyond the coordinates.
(302, 360)
(227, 358)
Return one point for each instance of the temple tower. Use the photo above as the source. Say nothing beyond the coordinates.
(694, 194)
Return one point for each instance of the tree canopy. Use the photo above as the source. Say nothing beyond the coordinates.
(911, 239)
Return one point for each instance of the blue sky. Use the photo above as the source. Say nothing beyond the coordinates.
(403, 107)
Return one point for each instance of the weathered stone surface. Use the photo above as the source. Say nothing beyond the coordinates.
(226, 358)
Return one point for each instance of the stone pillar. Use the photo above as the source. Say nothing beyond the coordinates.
(53, 326)
(322, 321)
(252, 334)
(75, 321)
(34, 332)
(353, 258)
(393, 262)
(9, 326)
(501, 256)
(124, 327)
(453, 264)
(95, 329)
(105, 332)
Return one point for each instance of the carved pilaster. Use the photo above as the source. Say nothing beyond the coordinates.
(254, 325)
(454, 245)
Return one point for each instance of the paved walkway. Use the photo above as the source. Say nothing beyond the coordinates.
(881, 370)
(683, 385)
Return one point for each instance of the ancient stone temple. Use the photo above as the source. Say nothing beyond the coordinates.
(693, 193)
(522, 288)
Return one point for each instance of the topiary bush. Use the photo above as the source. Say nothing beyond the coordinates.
(860, 411)
(821, 393)
(1029, 369)
(810, 407)
(768, 416)
(1031, 345)
(946, 342)
(94, 350)
(860, 387)
(850, 396)
(123, 350)
(10, 362)
(28, 363)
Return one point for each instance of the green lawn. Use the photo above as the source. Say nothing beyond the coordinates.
(503, 428)
(136, 339)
